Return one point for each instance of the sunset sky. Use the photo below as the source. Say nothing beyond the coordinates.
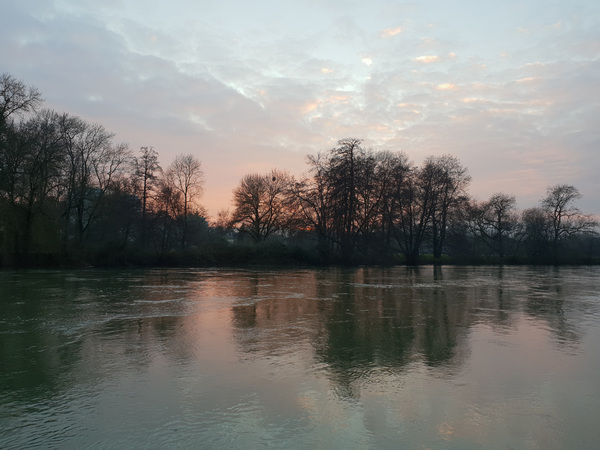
(511, 88)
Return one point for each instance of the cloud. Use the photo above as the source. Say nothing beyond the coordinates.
(390, 32)
(527, 79)
(427, 59)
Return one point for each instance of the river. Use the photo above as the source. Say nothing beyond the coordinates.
(367, 358)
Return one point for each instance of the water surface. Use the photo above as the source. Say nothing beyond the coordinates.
(452, 357)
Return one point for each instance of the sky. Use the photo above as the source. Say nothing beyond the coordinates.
(511, 88)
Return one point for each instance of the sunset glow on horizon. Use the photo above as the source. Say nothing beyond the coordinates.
(511, 89)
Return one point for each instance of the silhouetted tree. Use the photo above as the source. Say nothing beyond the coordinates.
(372, 182)
(342, 175)
(312, 205)
(186, 178)
(146, 170)
(93, 164)
(537, 233)
(564, 218)
(416, 199)
(16, 98)
(35, 170)
(168, 208)
(384, 180)
(262, 204)
(450, 181)
(114, 227)
(495, 223)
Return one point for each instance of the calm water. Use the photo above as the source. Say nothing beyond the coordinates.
(455, 357)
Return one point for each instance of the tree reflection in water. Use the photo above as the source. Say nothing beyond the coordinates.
(365, 321)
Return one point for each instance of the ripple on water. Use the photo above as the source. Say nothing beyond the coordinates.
(158, 302)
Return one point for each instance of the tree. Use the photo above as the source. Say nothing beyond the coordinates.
(448, 181)
(312, 205)
(564, 217)
(262, 204)
(120, 214)
(186, 177)
(494, 222)
(146, 169)
(70, 129)
(382, 176)
(342, 175)
(414, 199)
(347, 199)
(16, 98)
(371, 182)
(93, 163)
(537, 232)
(36, 174)
(168, 208)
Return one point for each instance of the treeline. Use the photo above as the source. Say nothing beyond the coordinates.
(70, 195)
(361, 206)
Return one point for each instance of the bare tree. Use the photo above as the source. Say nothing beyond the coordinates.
(16, 98)
(378, 175)
(348, 197)
(30, 175)
(312, 205)
(415, 201)
(448, 181)
(494, 222)
(423, 202)
(537, 231)
(168, 208)
(342, 177)
(70, 129)
(393, 173)
(186, 177)
(146, 170)
(93, 162)
(262, 204)
(340, 199)
(371, 183)
(564, 217)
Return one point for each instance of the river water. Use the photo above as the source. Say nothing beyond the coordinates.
(368, 358)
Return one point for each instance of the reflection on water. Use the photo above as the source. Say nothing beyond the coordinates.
(452, 357)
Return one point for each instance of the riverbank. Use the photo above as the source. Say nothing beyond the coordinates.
(264, 254)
